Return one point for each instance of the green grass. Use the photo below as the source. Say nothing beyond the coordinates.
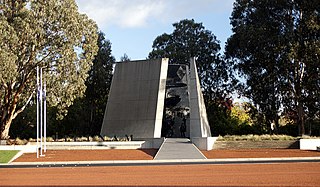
(7, 155)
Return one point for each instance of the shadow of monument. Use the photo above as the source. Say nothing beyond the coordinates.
(150, 152)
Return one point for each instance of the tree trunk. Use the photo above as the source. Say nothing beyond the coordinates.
(10, 112)
(276, 121)
(301, 119)
(5, 126)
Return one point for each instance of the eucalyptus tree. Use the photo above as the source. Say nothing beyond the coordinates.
(53, 35)
(275, 47)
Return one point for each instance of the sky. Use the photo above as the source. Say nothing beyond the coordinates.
(132, 25)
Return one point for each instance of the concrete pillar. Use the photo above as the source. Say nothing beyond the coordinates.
(199, 125)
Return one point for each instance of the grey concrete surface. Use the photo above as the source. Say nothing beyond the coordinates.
(178, 148)
(199, 125)
(136, 99)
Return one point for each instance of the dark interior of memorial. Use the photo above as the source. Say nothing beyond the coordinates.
(175, 122)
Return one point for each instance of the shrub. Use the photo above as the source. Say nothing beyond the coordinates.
(49, 139)
(32, 140)
(18, 141)
(68, 139)
(96, 138)
(251, 137)
(106, 138)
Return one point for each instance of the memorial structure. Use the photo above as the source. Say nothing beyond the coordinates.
(153, 99)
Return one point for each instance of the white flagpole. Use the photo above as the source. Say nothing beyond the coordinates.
(41, 114)
(45, 115)
(38, 112)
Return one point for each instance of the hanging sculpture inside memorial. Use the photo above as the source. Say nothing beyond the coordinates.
(176, 107)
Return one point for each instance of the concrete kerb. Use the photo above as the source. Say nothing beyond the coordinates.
(31, 146)
(199, 150)
(165, 139)
(142, 144)
(160, 162)
(204, 143)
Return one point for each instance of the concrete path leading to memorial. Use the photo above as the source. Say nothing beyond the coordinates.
(178, 148)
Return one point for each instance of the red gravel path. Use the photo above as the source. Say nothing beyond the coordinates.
(260, 153)
(289, 174)
(148, 154)
(82, 155)
(293, 174)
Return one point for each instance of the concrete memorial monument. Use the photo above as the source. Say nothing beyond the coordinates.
(153, 99)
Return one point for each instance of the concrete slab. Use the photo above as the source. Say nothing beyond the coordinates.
(136, 99)
(178, 148)
(309, 144)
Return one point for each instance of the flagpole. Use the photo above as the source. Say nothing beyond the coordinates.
(37, 112)
(41, 114)
(45, 115)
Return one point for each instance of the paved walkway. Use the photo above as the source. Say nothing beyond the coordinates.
(178, 148)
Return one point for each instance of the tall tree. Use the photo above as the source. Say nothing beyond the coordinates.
(191, 39)
(51, 34)
(124, 58)
(275, 47)
(85, 116)
(98, 84)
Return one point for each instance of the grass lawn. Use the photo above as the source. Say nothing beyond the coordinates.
(7, 155)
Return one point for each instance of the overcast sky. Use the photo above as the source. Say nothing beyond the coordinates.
(132, 25)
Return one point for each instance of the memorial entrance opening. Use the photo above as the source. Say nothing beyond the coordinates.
(176, 108)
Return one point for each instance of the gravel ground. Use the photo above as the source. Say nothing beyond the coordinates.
(259, 153)
(285, 174)
(92, 155)
(148, 154)
(293, 174)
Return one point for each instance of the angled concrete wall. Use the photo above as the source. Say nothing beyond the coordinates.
(136, 99)
(199, 125)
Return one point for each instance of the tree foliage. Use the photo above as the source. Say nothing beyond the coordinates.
(51, 34)
(239, 119)
(86, 115)
(124, 58)
(99, 83)
(275, 46)
(191, 39)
